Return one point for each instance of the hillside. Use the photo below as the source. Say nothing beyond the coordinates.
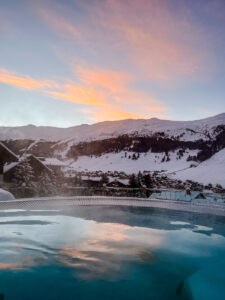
(191, 150)
(211, 170)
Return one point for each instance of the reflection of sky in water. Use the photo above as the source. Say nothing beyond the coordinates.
(90, 248)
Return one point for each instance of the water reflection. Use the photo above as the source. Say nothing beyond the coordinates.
(140, 246)
(133, 216)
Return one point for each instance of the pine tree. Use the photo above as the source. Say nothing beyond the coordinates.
(147, 180)
(24, 175)
(46, 183)
(133, 181)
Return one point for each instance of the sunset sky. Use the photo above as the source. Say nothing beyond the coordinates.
(63, 63)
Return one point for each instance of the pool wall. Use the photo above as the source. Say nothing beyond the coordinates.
(57, 202)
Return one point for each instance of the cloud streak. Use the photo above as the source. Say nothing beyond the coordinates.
(166, 43)
(106, 93)
(79, 95)
(23, 82)
(59, 24)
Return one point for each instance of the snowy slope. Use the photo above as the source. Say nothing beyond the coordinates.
(118, 162)
(210, 171)
(191, 130)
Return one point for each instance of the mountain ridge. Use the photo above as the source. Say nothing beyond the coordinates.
(109, 128)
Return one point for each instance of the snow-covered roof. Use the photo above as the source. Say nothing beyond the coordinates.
(31, 155)
(123, 181)
(10, 166)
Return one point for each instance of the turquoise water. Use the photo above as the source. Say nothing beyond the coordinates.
(111, 253)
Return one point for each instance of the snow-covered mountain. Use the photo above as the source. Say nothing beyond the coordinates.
(184, 130)
(192, 150)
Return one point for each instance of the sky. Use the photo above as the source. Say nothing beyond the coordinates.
(63, 63)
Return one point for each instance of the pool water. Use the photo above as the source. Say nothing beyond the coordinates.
(101, 252)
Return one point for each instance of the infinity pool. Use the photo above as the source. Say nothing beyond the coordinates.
(101, 252)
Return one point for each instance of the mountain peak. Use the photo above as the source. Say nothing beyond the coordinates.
(114, 128)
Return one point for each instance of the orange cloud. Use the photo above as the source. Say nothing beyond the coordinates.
(115, 85)
(117, 88)
(113, 81)
(78, 94)
(109, 112)
(67, 92)
(108, 91)
(23, 82)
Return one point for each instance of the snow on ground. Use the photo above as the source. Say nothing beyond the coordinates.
(118, 162)
(4, 195)
(210, 171)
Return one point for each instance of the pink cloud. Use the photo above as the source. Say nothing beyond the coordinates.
(161, 43)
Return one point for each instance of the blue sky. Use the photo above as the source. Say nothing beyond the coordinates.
(64, 63)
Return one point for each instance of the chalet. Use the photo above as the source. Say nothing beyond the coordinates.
(6, 157)
(37, 166)
(117, 183)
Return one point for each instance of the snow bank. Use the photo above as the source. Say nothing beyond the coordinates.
(4, 195)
